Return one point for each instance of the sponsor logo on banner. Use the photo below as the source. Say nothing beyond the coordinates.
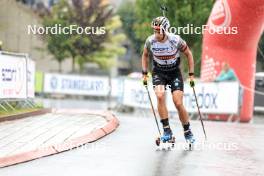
(54, 82)
(139, 96)
(221, 16)
(206, 100)
(74, 84)
(13, 81)
(12, 75)
(211, 97)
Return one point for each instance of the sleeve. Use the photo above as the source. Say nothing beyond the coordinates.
(231, 75)
(220, 77)
(182, 44)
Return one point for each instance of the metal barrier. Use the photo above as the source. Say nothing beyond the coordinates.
(17, 80)
(214, 98)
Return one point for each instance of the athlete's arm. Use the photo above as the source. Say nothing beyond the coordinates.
(188, 53)
(144, 59)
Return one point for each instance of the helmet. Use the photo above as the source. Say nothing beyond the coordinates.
(160, 22)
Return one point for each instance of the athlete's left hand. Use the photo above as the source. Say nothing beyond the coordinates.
(191, 78)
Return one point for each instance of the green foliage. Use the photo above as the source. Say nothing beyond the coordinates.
(128, 17)
(112, 47)
(102, 49)
(57, 44)
(137, 20)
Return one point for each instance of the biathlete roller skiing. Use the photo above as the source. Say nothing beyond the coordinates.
(164, 48)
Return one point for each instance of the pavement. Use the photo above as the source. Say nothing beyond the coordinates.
(37, 136)
(232, 148)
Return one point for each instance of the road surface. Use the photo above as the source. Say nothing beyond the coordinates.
(231, 149)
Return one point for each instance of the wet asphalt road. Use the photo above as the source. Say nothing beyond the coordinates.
(231, 149)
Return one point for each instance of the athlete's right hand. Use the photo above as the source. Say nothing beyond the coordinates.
(145, 79)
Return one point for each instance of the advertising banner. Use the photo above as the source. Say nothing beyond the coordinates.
(215, 98)
(13, 77)
(76, 85)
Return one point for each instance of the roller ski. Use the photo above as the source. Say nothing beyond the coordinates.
(166, 141)
(189, 139)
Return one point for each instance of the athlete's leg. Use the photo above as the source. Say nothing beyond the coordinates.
(161, 99)
(163, 112)
(177, 96)
(177, 86)
(159, 82)
(183, 115)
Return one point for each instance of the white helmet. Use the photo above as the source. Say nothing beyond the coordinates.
(160, 22)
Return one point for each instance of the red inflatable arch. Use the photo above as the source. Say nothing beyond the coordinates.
(239, 50)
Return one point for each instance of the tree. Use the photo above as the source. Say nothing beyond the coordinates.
(180, 13)
(92, 48)
(58, 48)
(57, 44)
(128, 17)
(112, 48)
(91, 14)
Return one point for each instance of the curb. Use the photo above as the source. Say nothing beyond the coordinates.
(24, 115)
(112, 124)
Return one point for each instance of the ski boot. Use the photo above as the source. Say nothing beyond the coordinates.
(189, 138)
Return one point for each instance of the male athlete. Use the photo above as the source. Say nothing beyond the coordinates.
(164, 49)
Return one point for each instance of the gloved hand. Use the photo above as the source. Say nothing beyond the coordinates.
(145, 80)
(192, 83)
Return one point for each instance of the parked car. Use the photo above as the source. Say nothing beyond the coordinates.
(259, 92)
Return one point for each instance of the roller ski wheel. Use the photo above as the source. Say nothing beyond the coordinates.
(158, 141)
(190, 143)
(165, 144)
(189, 139)
(172, 141)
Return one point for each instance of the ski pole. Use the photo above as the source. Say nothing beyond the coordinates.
(152, 109)
(192, 85)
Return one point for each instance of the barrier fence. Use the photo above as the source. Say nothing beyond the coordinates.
(17, 82)
(17, 78)
(217, 98)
